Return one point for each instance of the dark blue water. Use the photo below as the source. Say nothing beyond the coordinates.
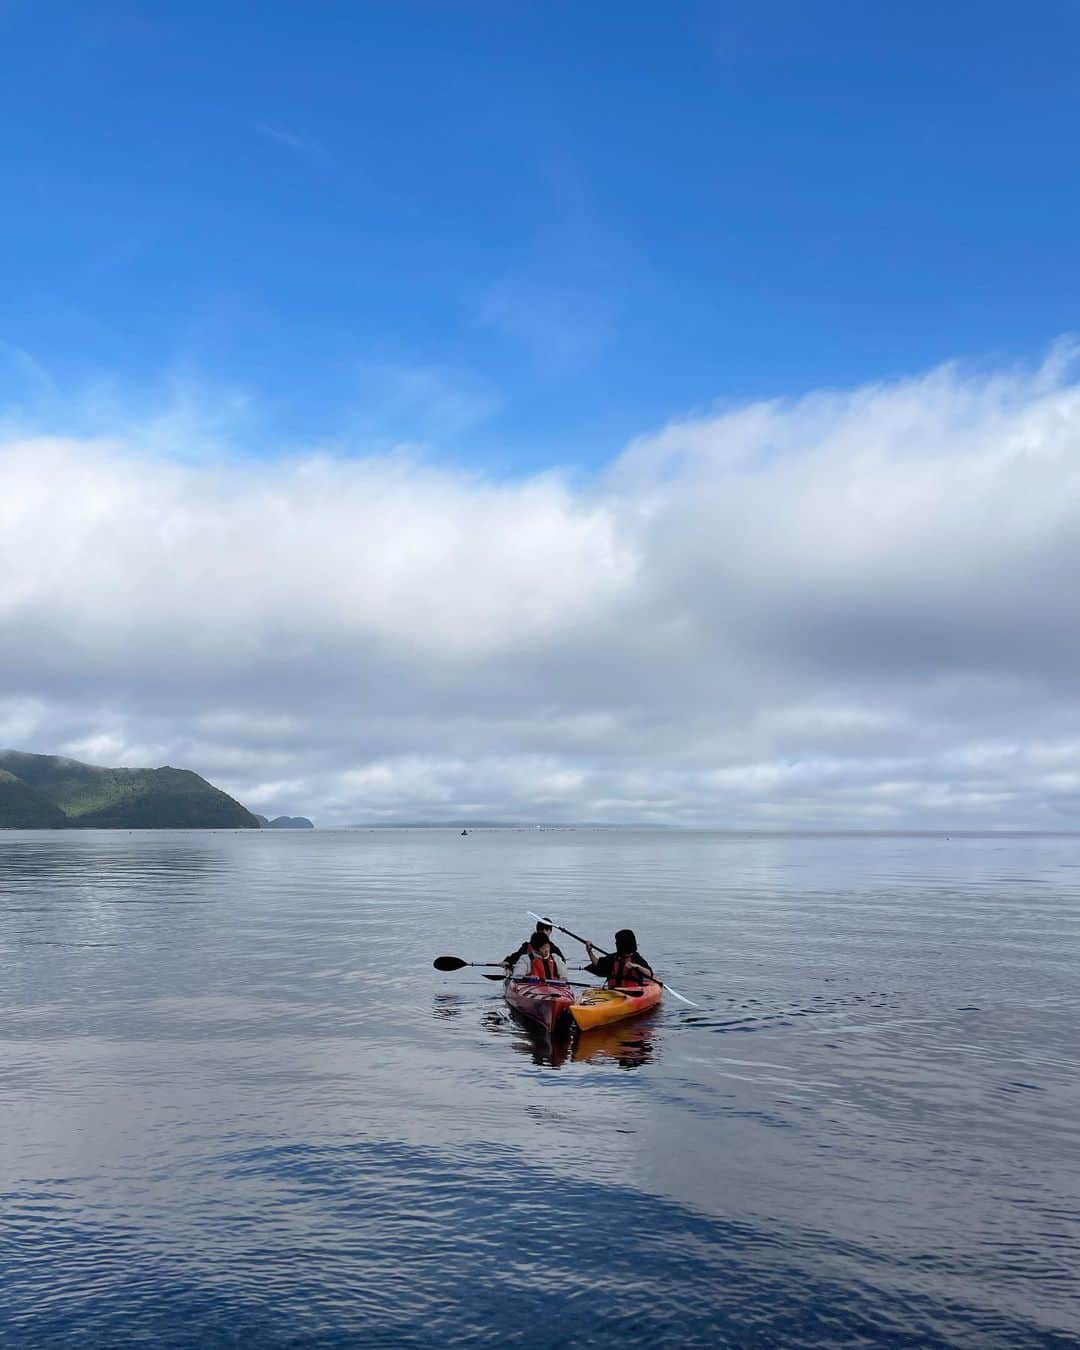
(238, 1107)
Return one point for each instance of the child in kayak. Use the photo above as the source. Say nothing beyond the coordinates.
(539, 961)
(625, 967)
(511, 961)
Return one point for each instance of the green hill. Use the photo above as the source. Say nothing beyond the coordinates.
(46, 791)
(21, 808)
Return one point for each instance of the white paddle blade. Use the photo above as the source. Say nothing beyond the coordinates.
(681, 996)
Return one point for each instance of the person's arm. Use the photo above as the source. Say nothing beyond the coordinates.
(560, 965)
(640, 964)
(600, 965)
(594, 955)
(510, 961)
(523, 967)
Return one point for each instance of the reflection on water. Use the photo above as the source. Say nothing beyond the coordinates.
(240, 1108)
(523, 1036)
(628, 1044)
(447, 1005)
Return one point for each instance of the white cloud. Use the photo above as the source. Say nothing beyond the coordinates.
(282, 566)
(103, 748)
(20, 718)
(852, 608)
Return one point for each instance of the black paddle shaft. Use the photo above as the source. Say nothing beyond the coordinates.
(457, 963)
(577, 938)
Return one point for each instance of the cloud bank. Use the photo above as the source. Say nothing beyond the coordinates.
(853, 609)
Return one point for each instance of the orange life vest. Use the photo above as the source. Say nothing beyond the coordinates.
(622, 975)
(544, 970)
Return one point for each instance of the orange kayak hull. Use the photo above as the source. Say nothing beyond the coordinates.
(601, 1007)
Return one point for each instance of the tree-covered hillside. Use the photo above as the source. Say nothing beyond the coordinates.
(46, 791)
(21, 808)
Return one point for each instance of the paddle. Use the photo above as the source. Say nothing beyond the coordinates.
(574, 984)
(456, 963)
(586, 943)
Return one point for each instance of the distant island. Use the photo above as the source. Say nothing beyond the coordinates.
(285, 822)
(47, 792)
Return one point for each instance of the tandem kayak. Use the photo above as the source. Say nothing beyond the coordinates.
(600, 1007)
(545, 1001)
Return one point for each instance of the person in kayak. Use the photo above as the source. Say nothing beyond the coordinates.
(511, 961)
(626, 966)
(539, 962)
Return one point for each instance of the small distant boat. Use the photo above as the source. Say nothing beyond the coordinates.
(464, 831)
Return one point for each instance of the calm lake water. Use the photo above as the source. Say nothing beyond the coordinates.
(239, 1107)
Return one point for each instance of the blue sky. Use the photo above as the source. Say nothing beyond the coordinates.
(525, 233)
(659, 414)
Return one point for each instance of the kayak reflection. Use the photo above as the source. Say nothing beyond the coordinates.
(630, 1045)
(530, 1038)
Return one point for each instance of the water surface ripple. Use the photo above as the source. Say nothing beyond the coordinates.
(240, 1108)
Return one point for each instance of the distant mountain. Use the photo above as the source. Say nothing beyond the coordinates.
(21, 808)
(285, 823)
(48, 792)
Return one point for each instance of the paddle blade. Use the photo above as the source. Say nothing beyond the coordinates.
(449, 963)
(681, 997)
(494, 977)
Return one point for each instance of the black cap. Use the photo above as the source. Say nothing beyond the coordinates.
(538, 939)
